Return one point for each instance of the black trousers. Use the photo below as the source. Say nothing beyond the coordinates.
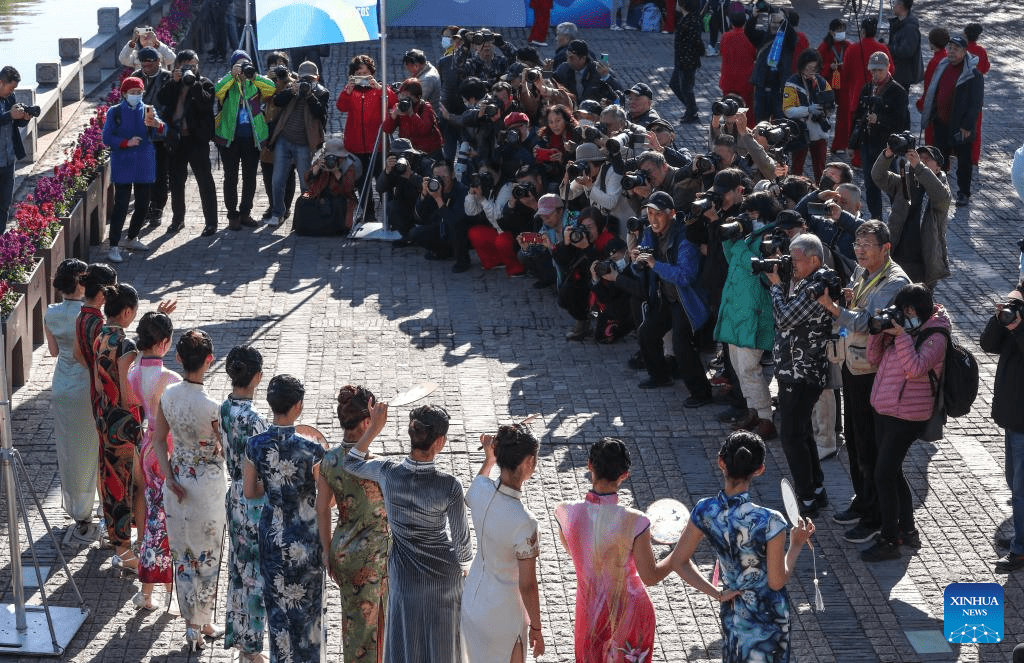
(195, 153)
(796, 402)
(894, 498)
(962, 152)
(670, 315)
(539, 264)
(122, 197)
(861, 448)
(241, 151)
(267, 170)
(158, 200)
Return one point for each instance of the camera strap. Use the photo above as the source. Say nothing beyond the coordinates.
(864, 288)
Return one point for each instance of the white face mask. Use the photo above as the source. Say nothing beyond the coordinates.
(620, 264)
(840, 36)
(911, 324)
(133, 99)
(446, 43)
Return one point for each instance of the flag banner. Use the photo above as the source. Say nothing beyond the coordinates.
(292, 24)
(467, 13)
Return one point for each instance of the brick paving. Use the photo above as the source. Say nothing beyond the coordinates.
(333, 311)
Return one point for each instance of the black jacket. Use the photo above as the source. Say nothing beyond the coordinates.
(1007, 398)
(593, 87)
(905, 46)
(198, 106)
(153, 86)
(968, 98)
(891, 108)
(6, 104)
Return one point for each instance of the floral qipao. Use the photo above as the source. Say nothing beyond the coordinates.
(614, 615)
(148, 378)
(119, 429)
(358, 557)
(246, 615)
(756, 623)
(290, 552)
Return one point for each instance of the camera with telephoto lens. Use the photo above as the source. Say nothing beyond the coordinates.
(708, 200)
(482, 180)
(280, 72)
(510, 137)
(404, 105)
(305, 87)
(433, 184)
(887, 318)
(1009, 310)
(731, 231)
(633, 179)
(585, 134)
(635, 224)
(248, 69)
(605, 267)
(577, 233)
(784, 265)
(705, 164)
(533, 74)
(574, 169)
(825, 280)
(34, 111)
(524, 189)
(331, 161)
(776, 135)
(188, 75)
(401, 166)
(726, 107)
(774, 242)
(901, 143)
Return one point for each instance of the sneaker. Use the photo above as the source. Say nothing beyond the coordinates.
(267, 214)
(274, 221)
(657, 383)
(767, 359)
(209, 231)
(910, 539)
(884, 549)
(1009, 563)
(627, 26)
(696, 401)
(153, 217)
(810, 508)
(615, 27)
(133, 244)
(114, 255)
(538, 43)
(711, 52)
(766, 429)
(861, 533)
(963, 199)
(847, 517)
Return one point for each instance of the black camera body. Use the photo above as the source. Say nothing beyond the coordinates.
(901, 143)
(784, 265)
(708, 200)
(524, 189)
(280, 72)
(726, 107)
(248, 70)
(1009, 311)
(887, 318)
(433, 184)
(705, 164)
(604, 267)
(305, 87)
(731, 231)
(533, 74)
(401, 166)
(774, 242)
(574, 169)
(825, 280)
(635, 224)
(578, 233)
(331, 161)
(633, 179)
(404, 105)
(585, 134)
(188, 76)
(34, 111)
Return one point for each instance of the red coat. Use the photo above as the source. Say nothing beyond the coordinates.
(983, 67)
(420, 128)
(802, 44)
(363, 108)
(937, 57)
(855, 76)
(738, 56)
(844, 115)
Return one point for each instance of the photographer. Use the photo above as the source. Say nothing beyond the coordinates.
(298, 132)
(751, 154)
(535, 254)
(329, 200)
(640, 99)
(584, 78)
(240, 133)
(491, 227)
(704, 228)
(600, 184)
(614, 301)
(656, 175)
(12, 118)
(581, 244)
(439, 210)
(145, 37)
(808, 99)
(155, 76)
(674, 302)
(416, 66)
(803, 328)
(873, 287)
(188, 101)
(918, 230)
(661, 137)
(1004, 334)
(553, 142)
(414, 118)
(515, 148)
(835, 173)
(401, 178)
(278, 69)
(881, 111)
(770, 76)
(486, 64)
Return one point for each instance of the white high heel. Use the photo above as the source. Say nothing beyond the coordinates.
(194, 639)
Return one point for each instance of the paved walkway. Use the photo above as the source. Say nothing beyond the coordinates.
(334, 311)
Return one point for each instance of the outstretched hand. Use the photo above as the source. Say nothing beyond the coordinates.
(801, 532)
(167, 306)
(378, 417)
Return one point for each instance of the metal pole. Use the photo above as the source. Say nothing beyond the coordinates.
(383, 21)
(10, 492)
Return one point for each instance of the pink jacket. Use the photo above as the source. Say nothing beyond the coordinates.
(902, 388)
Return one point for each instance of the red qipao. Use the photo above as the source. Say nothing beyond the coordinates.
(983, 66)
(738, 56)
(836, 53)
(929, 71)
(541, 19)
(855, 76)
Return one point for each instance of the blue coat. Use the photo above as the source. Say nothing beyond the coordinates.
(683, 271)
(129, 165)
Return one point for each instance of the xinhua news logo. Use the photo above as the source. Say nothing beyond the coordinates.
(973, 612)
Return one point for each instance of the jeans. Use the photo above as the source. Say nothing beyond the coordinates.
(1015, 480)
(267, 170)
(895, 501)
(286, 155)
(195, 153)
(241, 151)
(671, 316)
(6, 192)
(796, 401)
(122, 196)
(860, 444)
(682, 83)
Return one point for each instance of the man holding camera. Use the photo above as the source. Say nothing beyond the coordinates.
(803, 328)
(241, 132)
(581, 244)
(299, 131)
(873, 287)
(640, 99)
(675, 302)
(415, 63)
(536, 248)
(582, 77)
(1004, 334)
(598, 181)
(400, 180)
(12, 118)
(881, 111)
(155, 76)
(439, 210)
(918, 223)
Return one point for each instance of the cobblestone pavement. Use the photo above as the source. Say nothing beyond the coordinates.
(334, 311)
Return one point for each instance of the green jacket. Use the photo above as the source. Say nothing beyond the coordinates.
(229, 91)
(745, 318)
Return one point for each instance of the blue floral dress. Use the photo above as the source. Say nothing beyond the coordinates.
(291, 558)
(755, 624)
(246, 615)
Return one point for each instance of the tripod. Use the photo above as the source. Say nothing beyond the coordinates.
(247, 42)
(22, 626)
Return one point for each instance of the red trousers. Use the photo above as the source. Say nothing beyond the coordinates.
(541, 22)
(496, 248)
(817, 148)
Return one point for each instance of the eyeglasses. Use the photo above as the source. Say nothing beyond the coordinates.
(864, 245)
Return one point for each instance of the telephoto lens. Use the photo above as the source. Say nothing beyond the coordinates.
(433, 184)
(404, 105)
(188, 77)
(401, 166)
(249, 70)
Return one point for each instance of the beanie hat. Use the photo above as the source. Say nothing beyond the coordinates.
(239, 55)
(130, 83)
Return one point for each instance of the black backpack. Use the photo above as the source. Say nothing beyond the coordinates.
(960, 376)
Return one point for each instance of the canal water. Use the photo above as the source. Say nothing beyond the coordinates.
(29, 30)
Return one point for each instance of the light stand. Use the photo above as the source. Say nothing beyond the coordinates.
(29, 629)
(248, 41)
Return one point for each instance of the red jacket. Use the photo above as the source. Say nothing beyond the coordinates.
(902, 386)
(738, 56)
(363, 107)
(983, 67)
(420, 128)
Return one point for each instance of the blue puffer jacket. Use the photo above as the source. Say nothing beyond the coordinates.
(130, 164)
(683, 271)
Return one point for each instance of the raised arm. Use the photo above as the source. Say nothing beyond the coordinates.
(781, 566)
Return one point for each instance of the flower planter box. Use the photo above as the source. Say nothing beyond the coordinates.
(17, 346)
(95, 203)
(107, 198)
(76, 236)
(35, 304)
(51, 258)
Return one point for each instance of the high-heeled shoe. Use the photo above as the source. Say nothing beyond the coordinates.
(194, 639)
(125, 563)
(213, 631)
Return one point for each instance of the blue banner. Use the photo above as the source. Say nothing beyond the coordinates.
(291, 24)
(465, 13)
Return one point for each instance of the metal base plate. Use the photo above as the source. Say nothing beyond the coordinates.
(35, 640)
(375, 231)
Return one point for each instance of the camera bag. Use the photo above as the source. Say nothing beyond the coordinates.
(321, 216)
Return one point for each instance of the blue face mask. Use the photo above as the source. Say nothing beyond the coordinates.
(912, 323)
(446, 42)
(620, 264)
(133, 99)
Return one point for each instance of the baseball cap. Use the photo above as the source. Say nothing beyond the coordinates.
(548, 203)
(788, 218)
(578, 47)
(726, 181)
(515, 70)
(660, 201)
(959, 40)
(308, 68)
(588, 152)
(590, 107)
(148, 54)
(878, 60)
(933, 152)
(660, 125)
(641, 89)
(614, 245)
(516, 118)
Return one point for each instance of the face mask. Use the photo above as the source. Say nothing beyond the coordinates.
(910, 324)
(840, 36)
(826, 183)
(133, 99)
(446, 43)
(620, 264)
(757, 225)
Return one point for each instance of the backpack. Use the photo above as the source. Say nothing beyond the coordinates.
(958, 386)
(650, 18)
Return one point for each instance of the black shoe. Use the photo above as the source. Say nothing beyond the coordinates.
(542, 284)
(1009, 563)
(636, 362)
(460, 267)
(963, 199)
(767, 359)
(810, 508)
(690, 119)
(884, 549)
(656, 383)
(911, 539)
(848, 517)
(209, 231)
(153, 217)
(1003, 541)
(734, 415)
(697, 401)
(175, 227)
(248, 222)
(430, 255)
(861, 533)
